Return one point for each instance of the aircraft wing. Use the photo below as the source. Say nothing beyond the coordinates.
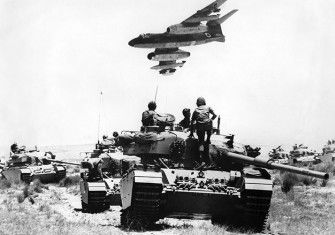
(205, 12)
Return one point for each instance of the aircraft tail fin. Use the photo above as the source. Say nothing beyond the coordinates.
(226, 16)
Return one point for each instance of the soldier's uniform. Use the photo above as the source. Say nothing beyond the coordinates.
(203, 126)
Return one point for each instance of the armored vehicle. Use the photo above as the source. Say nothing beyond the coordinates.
(329, 147)
(100, 178)
(29, 165)
(236, 189)
(279, 155)
(303, 155)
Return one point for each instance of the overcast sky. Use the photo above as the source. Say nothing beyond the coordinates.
(272, 81)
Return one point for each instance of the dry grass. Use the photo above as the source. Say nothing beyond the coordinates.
(4, 183)
(304, 210)
(70, 181)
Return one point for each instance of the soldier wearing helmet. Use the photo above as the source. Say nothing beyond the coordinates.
(203, 124)
(185, 123)
(149, 116)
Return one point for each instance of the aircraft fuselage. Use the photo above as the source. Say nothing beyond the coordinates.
(166, 40)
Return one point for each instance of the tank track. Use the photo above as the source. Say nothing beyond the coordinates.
(145, 208)
(256, 209)
(97, 202)
(26, 178)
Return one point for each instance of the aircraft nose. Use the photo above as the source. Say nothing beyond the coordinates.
(131, 43)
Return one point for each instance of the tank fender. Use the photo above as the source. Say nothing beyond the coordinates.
(127, 184)
(84, 191)
(86, 187)
(136, 176)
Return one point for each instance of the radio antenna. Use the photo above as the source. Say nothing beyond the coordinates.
(156, 92)
(99, 115)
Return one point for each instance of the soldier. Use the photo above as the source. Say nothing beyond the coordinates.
(203, 124)
(14, 148)
(185, 123)
(149, 116)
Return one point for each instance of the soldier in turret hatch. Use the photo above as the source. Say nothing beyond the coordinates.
(185, 123)
(149, 116)
(14, 148)
(203, 124)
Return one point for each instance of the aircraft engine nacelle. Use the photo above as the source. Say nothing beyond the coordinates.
(181, 29)
(168, 56)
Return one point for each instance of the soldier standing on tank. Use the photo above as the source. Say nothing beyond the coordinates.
(203, 123)
(149, 116)
(185, 123)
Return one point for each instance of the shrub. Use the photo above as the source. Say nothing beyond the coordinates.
(20, 198)
(69, 181)
(291, 179)
(37, 186)
(4, 183)
(328, 167)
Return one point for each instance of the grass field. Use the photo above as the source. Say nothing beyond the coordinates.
(47, 209)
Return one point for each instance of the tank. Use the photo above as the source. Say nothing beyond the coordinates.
(329, 148)
(235, 189)
(100, 178)
(301, 154)
(27, 166)
(279, 155)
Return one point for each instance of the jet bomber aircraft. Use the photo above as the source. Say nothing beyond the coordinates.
(190, 32)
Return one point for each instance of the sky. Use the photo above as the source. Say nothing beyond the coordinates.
(272, 81)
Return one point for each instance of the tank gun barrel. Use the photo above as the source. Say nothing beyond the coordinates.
(63, 162)
(261, 162)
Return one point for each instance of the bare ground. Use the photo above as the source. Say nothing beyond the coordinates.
(57, 210)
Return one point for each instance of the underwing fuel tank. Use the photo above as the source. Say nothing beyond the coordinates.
(167, 72)
(168, 56)
(168, 65)
(235, 189)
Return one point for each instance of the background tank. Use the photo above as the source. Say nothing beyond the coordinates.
(328, 151)
(236, 189)
(29, 165)
(279, 155)
(303, 155)
(100, 178)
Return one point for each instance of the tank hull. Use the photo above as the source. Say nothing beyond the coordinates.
(45, 174)
(148, 196)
